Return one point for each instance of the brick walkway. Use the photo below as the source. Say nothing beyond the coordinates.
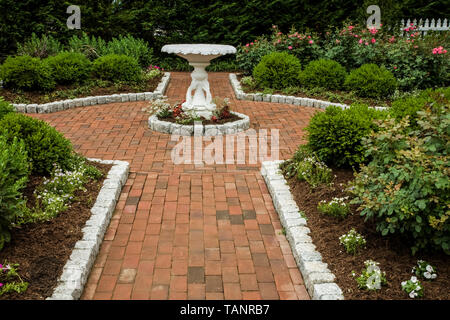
(185, 231)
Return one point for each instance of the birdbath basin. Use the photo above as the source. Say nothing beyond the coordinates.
(198, 95)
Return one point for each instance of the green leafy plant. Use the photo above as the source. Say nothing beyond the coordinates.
(277, 70)
(352, 241)
(45, 146)
(249, 82)
(405, 188)
(14, 171)
(336, 134)
(313, 171)
(26, 73)
(413, 288)
(5, 108)
(42, 47)
(131, 47)
(372, 81)
(69, 67)
(323, 73)
(117, 68)
(424, 270)
(335, 208)
(10, 280)
(371, 278)
(92, 47)
(249, 55)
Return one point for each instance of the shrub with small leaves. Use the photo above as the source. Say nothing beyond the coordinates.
(5, 108)
(371, 278)
(371, 81)
(413, 288)
(335, 208)
(424, 270)
(114, 67)
(69, 67)
(352, 241)
(277, 70)
(323, 73)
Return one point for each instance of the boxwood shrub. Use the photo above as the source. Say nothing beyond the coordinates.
(26, 73)
(405, 188)
(14, 171)
(323, 73)
(69, 67)
(115, 68)
(45, 145)
(371, 81)
(5, 108)
(336, 134)
(277, 70)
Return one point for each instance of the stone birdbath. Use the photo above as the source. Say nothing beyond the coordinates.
(198, 96)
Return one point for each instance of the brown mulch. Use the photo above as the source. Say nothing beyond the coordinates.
(393, 254)
(42, 249)
(38, 97)
(231, 118)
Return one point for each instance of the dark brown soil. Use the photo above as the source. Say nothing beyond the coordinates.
(42, 97)
(392, 253)
(370, 102)
(231, 118)
(42, 249)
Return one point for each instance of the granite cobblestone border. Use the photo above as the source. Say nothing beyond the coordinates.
(95, 100)
(198, 129)
(297, 101)
(77, 269)
(319, 280)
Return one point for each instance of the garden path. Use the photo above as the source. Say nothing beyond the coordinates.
(186, 231)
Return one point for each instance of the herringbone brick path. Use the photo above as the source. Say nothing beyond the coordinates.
(187, 231)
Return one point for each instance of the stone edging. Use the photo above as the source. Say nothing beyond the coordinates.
(200, 130)
(306, 102)
(76, 270)
(319, 280)
(90, 101)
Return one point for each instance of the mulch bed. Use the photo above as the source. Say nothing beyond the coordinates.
(392, 253)
(205, 122)
(42, 249)
(370, 102)
(42, 97)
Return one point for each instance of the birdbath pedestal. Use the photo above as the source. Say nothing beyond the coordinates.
(198, 95)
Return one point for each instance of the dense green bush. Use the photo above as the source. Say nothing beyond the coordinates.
(14, 171)
(371, 81)
(39, 47)
(26, 73)
(323, 73)
(92, 47)
(405, 188)
(277, 70)
(336, 134)
(115, 68)
(5, 108)
(132, 47)
(409, 106)
(45, 145)
(69, 67)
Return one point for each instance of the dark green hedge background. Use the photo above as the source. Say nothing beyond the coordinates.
(161, 22)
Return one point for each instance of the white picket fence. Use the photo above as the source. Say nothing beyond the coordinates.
(426, 25)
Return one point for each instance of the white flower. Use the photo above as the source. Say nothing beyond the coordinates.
(403, 283)
(413, 279)
(429, 268)
(427, 275)
(411, 295)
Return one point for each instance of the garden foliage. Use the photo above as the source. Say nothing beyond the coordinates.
(405, 188)
(277, 70)
(5, 108)
(371, 81)
(116, 68)
(69, 67)
(323, 73)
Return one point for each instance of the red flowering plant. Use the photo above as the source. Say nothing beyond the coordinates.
(222, 110)
(305, 46)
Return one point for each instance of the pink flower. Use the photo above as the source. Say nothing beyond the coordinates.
(373, 30)
(247, 45)
(279, 40)
(392, 39)
(395, 68)
(366, 43)
(373, 40)
(251, 43)
(1, 284)
(360, 41)
(309, 37)
(290, 47)
(338, 41)
(356, 36)
(310, 41)
(350, 27)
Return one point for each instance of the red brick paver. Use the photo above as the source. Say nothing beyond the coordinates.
(187, 231)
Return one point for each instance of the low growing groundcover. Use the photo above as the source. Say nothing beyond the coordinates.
(42, 249)
(392, 254)
(94, 88)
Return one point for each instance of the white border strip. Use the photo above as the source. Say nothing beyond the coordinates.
(200, 130)
(306, 102)
(90, 101)
(77, 269)
(319, 280)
